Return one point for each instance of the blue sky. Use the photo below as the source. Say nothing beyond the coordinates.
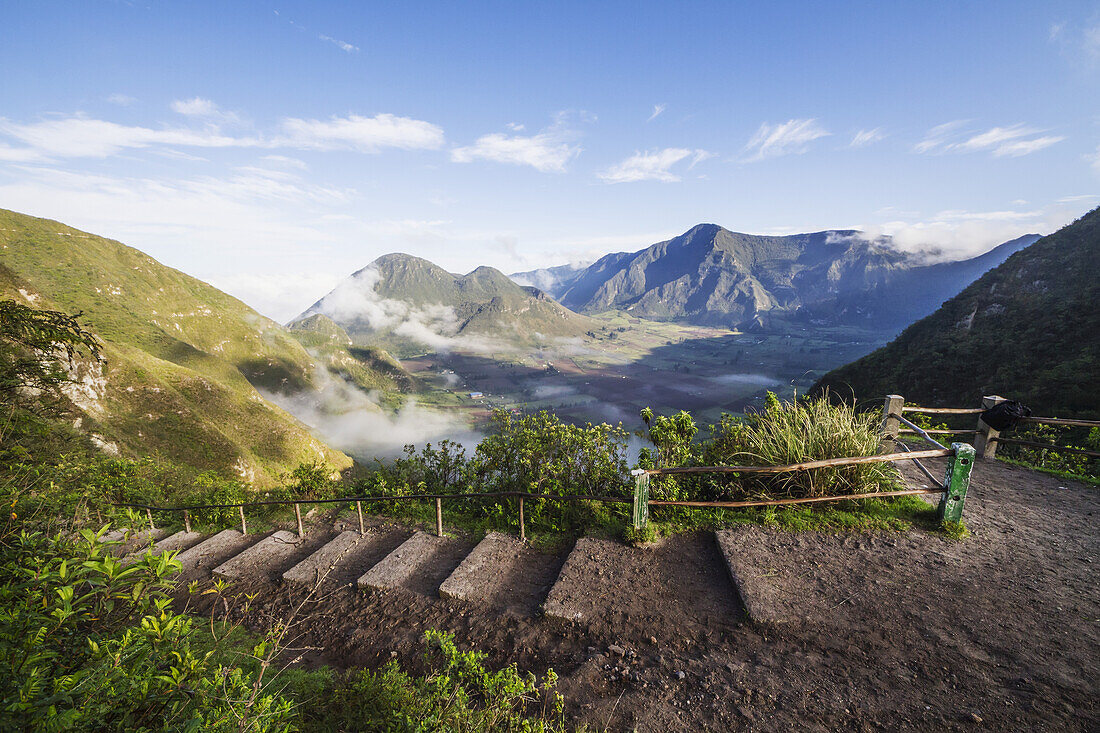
(272, 148)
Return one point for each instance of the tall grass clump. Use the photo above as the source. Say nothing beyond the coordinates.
(797, 432)
(782, 433)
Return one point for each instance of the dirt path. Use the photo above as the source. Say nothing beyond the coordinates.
(904, 632)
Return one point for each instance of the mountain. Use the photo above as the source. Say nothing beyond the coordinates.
(551, 280)
(712, 276)
(401, 298)
(186, 364)
(1028, 330)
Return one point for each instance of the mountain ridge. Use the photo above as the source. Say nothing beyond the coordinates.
(400, 296)
(712, 276)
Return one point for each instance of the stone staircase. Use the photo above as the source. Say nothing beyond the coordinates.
(382, 560)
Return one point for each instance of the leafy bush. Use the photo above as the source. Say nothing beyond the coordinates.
(87, 643)
(458, 694)
(1052, 459)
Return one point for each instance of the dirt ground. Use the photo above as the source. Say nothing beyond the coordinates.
(901, 631)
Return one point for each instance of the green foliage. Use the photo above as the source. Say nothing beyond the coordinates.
(1051, 459)
(39, 353)
(87, 643)
(537, 454)
(638, 537)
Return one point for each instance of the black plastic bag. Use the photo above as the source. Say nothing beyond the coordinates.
(1005, 415)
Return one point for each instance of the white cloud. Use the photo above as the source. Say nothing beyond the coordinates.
(867, 137)
(196, 106)
(784, 138)
(1025, 147)
(362, 134)
(80, 136)
(657, 109)
(549, 151)
(204, 109)
(1012, 141)
(342, 45)
(938, 136)
(652, 165)
(76, 137)
(958, 234)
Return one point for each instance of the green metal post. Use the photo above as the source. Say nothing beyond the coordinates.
(641, 499)
(956, 482)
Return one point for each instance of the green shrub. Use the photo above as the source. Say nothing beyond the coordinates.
(89, 644)
(458, 694)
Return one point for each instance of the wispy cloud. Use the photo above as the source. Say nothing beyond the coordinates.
(783, 138)
(122, 100)
(651, 165)
(84, 137)
(342, 45)
(77, 137)
(1011, 141)
(204, 109)
(549, 151)
(362, 134)
(867, 137)
(657, 109)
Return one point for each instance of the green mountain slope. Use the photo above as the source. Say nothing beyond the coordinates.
(184, 360)
(404, 298)
(1027, 330)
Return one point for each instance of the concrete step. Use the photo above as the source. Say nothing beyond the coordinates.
(173, 543)
(773, 591)
(477, 575)
(273, 549)
(317, 566)
(130, 540)
(214, 550)
(562, 602)
(177, 542)
(398, 567)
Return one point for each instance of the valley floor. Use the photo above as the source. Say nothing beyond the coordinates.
(895, 631)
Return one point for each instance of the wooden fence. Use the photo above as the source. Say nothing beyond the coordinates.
(986, 439)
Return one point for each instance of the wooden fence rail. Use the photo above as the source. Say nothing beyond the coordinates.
(986, 438)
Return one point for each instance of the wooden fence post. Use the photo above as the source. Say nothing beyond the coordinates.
(641, 498)
(187, 521)
(438, 517)
(298, 516)
(890, 425)
(522, 531)
(359, 511)
(956, 482)
(985, 441)
(244, 527)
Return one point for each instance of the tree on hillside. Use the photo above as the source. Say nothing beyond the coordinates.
(39, 351)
